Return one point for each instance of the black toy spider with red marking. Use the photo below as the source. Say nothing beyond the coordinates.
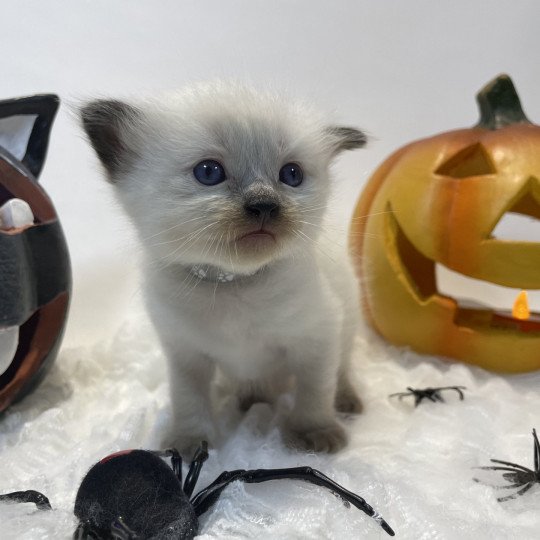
(518, 476)
(433, 394)
(135, 494)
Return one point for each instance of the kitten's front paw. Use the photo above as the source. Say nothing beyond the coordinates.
(330, 437)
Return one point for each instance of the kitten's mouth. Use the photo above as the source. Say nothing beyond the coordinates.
(258, 235)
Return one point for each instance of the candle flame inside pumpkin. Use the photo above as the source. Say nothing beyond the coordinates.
(521, 309)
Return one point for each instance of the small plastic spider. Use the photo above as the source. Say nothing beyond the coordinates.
(433, 394)
(517, 475)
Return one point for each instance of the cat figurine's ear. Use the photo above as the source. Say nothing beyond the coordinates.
(25, 125)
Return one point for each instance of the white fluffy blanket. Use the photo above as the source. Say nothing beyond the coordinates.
(415, 466)
(388, 67)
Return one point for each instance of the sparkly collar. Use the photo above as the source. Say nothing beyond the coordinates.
(215, 274)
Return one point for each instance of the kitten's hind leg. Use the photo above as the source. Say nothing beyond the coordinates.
(347, 399)
(312, 423)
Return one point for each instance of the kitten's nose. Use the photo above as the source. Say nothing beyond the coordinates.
(263, 209)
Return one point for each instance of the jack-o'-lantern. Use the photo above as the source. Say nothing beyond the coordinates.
(437, 201)
(35, 277)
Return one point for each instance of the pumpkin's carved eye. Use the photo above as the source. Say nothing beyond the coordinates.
(470, 161)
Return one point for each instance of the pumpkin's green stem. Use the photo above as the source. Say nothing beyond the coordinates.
(499, 104)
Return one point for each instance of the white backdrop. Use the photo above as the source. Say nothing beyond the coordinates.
(399, 69)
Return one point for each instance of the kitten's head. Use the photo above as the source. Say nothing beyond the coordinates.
(219, 174)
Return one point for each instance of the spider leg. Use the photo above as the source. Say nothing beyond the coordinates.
(86, 531)
(176, 460)
(511, 486)
(208, 496)
(30, 496)
(400, 395)
(497, 486)
(458, 389)
(427, 393)
(511, 471)
(437, 396)
(515, 465)
(418, 394)
(518, 476)
(491, 468)
(536, 453)
(120, 531)
(517, 493)
(201, 455)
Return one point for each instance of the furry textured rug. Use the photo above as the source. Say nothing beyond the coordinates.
(414, 465)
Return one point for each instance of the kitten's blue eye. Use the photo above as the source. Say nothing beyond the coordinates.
(209, 172)
(291, 174)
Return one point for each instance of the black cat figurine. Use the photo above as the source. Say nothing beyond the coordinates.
(35, 272)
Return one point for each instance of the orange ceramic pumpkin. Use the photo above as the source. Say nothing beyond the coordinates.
(438, 200)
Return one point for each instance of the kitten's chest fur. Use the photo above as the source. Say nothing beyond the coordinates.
(247, 325)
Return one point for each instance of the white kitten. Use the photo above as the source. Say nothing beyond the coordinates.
(227, 188)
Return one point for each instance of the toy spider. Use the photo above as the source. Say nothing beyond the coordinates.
(134, 494)
(517, 475)
(433, 394)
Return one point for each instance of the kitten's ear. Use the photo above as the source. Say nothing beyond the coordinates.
(345, 138)
(109, 125)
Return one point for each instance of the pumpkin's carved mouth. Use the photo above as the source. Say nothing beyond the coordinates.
(477, 303)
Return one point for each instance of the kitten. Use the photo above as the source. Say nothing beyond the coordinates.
(227, 188)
